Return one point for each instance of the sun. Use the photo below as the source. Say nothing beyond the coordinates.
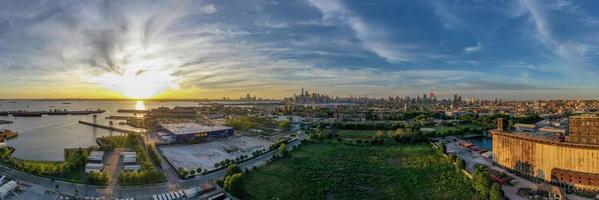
(136, 83)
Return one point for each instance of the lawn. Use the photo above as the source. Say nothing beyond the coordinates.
(339, 171)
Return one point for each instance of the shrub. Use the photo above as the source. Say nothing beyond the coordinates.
(496, 193)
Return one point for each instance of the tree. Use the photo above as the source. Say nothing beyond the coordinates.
(233, 169)
(285, 125)
(481, 182)
(496, 193)
(232, 184)
(379, 135)
(283, 149)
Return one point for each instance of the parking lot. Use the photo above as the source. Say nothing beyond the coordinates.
(205, 155)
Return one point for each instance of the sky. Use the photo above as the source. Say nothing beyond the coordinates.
(518, 49)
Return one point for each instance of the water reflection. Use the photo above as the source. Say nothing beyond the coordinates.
(139, 105)
(45, 138)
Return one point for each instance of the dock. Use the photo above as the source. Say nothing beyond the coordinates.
(21, 113)
(132, 111)
(108, 127)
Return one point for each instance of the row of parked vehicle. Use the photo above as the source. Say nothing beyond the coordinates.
(188, 193)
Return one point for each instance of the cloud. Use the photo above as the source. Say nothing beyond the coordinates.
(473, 49)
(572, 51)
(499, 85)
(208, 9)
(241, 46)
(374, 39)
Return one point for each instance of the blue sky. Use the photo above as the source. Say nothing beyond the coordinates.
(207, 49)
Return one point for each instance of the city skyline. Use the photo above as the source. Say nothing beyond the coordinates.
(212, 49)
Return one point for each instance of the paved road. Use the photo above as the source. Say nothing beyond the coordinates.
(142, 192)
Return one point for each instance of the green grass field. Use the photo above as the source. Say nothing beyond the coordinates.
(338, 171)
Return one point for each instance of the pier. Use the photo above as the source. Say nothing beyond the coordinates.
(109, 127)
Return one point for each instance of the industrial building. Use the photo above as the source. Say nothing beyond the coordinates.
(94, 161)
(89, 167)
(129, 157)
(185, 132)
(571, 161)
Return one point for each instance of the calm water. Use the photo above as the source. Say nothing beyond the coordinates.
(483, 142)
(46, 137)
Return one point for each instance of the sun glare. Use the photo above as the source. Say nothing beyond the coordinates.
(139, 105)
(136, 83)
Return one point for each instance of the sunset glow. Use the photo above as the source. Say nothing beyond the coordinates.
(136, 84)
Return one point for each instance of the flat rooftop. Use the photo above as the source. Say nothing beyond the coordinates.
(189, 128)
(544, 138)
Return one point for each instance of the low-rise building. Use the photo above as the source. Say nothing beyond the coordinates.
(555, 131)
(132, 167)
(525, 127)
(89, 167)
(96, 156)
(184, 132)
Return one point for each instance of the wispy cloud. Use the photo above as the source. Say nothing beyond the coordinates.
(373, 38)
(572, 51)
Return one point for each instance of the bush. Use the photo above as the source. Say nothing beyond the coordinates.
(496, 192)
(154, 155)
(232, 184)
(97, 178)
